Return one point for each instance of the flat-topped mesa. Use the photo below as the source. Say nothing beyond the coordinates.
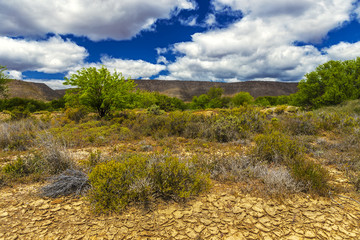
(186, 90)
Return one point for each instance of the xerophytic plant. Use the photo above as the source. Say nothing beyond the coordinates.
(99, 90)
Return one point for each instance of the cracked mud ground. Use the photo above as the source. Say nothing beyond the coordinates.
(220, 214)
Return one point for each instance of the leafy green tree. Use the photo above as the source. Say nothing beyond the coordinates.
(242, 98)
(99, 90)
(331, 83)
(3, 81)
(212, 99)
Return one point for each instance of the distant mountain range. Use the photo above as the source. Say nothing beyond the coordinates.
(184, 90)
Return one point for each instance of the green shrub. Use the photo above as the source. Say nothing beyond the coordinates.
(173, 178)
(328, 121)
(276, 147)
(242, 98)
(111, 184)
(300, 124)
(312, 175)
(155, 110)
(116, 184)
(280, 109)
(75, 114)
(19, 168)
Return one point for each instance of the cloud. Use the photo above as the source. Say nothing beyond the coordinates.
(129, 68)
(357, 11)
(260, 46)
(191, 21)
(96, 19)
(210, 20)
(48, 56)
(343, 51)
(12, 74)
(162, 59)
(307, 21)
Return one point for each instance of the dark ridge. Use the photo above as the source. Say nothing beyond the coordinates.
(184, 90)
(31, 90)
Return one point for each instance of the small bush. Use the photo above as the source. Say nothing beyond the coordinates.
(155, 110)
(277, 180)
(20, 168)
(111, 184)
(311, 174)
(328, 121)
(276, 147)
(300, 124)
(76, 114)
(174, 179)
(227, 168)
(115, 184)
(70, 182)
(54, 155)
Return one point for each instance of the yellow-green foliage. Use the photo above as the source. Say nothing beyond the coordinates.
(312, 175)
(111, 184)
(173, 178)
(300, 124)
(279, 148)
(115, 184)
(92, 132)
(75, 114)
(276, 147)
(280, 109)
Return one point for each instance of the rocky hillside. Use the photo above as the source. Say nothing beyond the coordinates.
(31, 90)
(184, 90)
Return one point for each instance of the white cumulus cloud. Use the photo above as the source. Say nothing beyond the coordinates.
(96, 19)
(261, 45)
(343, 51)
(48, 56)
(129, 68)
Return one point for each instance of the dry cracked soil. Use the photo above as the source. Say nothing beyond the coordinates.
(220, 214)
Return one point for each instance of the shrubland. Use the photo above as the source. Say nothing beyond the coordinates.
(156, 149)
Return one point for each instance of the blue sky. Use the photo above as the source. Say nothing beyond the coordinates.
(215, 40)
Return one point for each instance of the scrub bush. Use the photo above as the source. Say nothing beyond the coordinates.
(313, 176)
(276, 147)
(117, 183)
